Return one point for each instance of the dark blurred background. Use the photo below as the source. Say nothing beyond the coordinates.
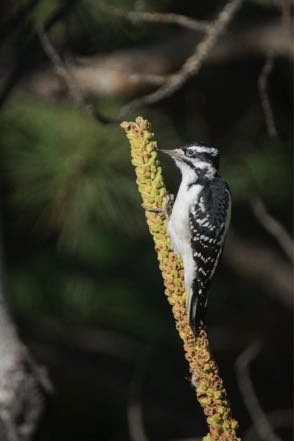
(79, 270)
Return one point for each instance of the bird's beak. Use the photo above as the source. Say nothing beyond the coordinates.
(175, 153)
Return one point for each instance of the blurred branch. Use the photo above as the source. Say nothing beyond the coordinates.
(193, 64)
(59, 66)
(268, 3)
(259, 40)
(66, 77)
(267, 70)
(264, 97)
(134, 409)
(154, 17)
(273, 227)
(88, 339)
(135, 421)
(260, 421)
(136, 70)
(23, 60)
(16, 19)
(252, 261)
(286, 15)
(279, 419)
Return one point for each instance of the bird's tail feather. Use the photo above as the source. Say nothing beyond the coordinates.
(197, 307)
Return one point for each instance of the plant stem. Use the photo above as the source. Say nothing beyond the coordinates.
(205, 377)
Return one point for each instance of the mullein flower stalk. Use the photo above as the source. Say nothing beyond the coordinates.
(205, 377)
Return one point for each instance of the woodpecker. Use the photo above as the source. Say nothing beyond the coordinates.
(199, 222)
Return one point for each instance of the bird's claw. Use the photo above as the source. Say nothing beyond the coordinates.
(166, 209)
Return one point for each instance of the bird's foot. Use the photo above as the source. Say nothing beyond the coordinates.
(167, 207)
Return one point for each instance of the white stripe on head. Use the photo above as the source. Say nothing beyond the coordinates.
(203, 149)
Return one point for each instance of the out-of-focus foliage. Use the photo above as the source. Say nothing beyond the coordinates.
(258, 173)
(66, 170)
(76, 247)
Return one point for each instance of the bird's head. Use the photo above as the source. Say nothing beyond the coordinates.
(196, 159)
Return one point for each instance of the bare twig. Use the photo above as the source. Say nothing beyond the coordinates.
(193, 63)
(155, 17)
(174, 81)
(150, 79)
(259, 418)
(268, 3)
(273, 227)
(66, 77)
(134, 70)
(23, 62)
(16, 19)
(261, 264)
(134, 410)
(286, 16)
(135, 422)
(264, 97)
(59, 66)
(279, 419)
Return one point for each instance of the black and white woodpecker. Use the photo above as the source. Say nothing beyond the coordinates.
(199, 222)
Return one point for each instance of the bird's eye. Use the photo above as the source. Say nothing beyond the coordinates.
(189, 153)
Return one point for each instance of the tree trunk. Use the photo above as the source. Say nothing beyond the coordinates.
(22, 381)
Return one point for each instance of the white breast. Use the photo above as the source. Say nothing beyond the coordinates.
(179, 229)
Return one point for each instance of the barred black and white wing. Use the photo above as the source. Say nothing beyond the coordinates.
(209, 221)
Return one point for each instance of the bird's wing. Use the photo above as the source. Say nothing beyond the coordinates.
(209, 220)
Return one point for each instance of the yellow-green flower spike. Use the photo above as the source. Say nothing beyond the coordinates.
(205, 377)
